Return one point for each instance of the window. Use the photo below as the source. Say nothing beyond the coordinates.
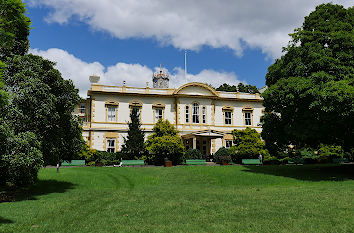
(111, 145)
(158, 114)
(228, 117)
(82, 108)
(187, 114)
(228, 143)
(195, 114)
(111, 113)
(204, 114)
(248, 118)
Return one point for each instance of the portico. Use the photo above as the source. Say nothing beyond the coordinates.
(201, 140)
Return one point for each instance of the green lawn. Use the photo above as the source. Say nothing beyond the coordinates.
(186, 199)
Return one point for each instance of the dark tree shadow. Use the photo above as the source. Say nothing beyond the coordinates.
(42, 187)
(5, 221)
(320, 172)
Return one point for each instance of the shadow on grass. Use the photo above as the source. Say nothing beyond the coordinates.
(308, 172)
(5, 221)
(42, 187)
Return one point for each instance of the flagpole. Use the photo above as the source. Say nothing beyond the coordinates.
(185, 65)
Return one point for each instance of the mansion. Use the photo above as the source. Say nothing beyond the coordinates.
(203, 116)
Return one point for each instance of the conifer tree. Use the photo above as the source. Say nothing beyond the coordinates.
(134, 146)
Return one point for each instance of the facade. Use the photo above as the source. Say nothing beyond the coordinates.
(204, 117)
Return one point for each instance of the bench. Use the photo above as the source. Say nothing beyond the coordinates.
(196, 162)
(133, 163)
(340, 160)
(251, 162)
(73, 163)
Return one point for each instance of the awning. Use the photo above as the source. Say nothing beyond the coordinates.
(211, 134)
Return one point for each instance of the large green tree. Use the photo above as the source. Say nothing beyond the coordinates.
(20, 155)
(42, 102)
(310, 95)
(134, 145)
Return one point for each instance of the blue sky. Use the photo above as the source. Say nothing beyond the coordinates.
(125, 40)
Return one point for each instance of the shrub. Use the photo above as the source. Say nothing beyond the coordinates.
(163, 143)
(328, 152)
(248, 145)
(223, 154)
(349, 154)
(92, 163)
(104, 157)
(193, 154)
(271, 160)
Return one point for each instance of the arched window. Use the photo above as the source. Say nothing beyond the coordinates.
(195, 113)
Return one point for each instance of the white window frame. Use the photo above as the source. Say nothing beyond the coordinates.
(195, 114)
(204, 114)
(82, 108)
(228, 119)
(248, 118)
(158, 114)
(111, 113)
(111, 145)
(228, 143)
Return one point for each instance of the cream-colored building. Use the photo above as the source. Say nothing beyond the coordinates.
(204, 117)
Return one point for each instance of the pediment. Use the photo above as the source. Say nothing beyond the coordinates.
(196, 89)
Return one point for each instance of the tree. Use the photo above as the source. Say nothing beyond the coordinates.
(165, 142)
(247, 88)
(227, 87)
(248, 145)
(20, 155)
(14, 28)
(42, 102)
(240, 88)
(310, 95)
(134, 146)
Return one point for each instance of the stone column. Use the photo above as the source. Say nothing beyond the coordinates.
(194, 143)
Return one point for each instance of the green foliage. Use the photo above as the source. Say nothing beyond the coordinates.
(223, 154)
(328, 152)
(106, 158)
(3, 93)
(134, 145)
(305, 155)
(165, 142)
(42, 102)
(20, 157)
(14, 28)
(310, 95)
(248, 145)
(193, 154)
(240, 88)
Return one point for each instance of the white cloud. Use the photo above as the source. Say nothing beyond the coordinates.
(192, 24)
(135, 75)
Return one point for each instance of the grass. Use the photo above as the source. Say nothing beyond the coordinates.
(186, 199)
